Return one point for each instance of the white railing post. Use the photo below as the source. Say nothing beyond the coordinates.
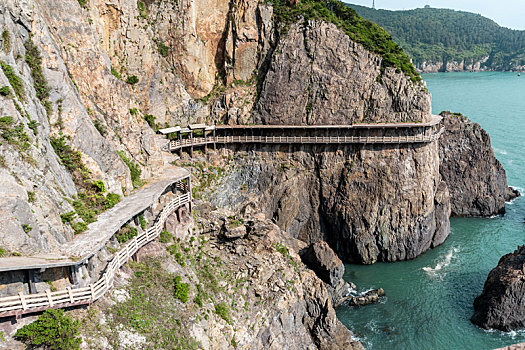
(22, 300)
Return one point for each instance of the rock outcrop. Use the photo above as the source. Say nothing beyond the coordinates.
(476, 180)
(502, 302)
(370, 203)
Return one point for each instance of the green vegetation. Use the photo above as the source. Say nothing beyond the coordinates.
(100, 127)
(141, 6)
(142, 221)
(181, 289)
(6, 41)
(165, 237)
(365, 32)
(150, 119)
(16, 82)
(126, 233)
(233, 222)
(133, 111)
(33, 125)
(5, 91)
(91, 200)
(34, 61)
(14, 134)
(31, 196)
(134, 170)
(26, 228)
(442, 35)
(77, 226)
(3, 252)
(174, 250)
(83, 3)
(52, 330)
(132, 80)
(51, 286)
(223, 310)
(163, 49)
(116, 74)
(151, 310)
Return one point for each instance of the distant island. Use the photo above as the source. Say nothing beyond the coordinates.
(449, 40)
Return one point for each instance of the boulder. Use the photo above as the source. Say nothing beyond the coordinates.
(501, 305)
(324, 262)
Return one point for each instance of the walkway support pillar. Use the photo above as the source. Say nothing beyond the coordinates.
(180, 149)
(191, 140)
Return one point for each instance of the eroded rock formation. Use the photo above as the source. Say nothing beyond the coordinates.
(501, 305)
(476, 180)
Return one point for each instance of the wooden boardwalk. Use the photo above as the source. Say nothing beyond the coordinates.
(23, 304)
(398, 133)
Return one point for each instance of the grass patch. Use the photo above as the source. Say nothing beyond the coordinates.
(223, 310)
(165, 237)
(34, 61)
(132, 80)
(3, 252)
(14, 80)
(6, 41)
(115, 73)
(27, 228)
(5, 91)
(164, 50)
(143, 222)
(134, 170)
(181, 289)
(126, 233)
(150, 119)
(14, 134)
(141, 7)
(174, 250)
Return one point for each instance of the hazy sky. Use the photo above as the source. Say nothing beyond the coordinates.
(507, 13)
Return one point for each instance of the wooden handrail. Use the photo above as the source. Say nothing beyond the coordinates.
(26, 303)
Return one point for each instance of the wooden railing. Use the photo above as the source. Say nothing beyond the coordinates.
(27, 303)
(200, 141)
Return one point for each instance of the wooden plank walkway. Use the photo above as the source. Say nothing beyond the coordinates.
(86, 244)
(29, 303)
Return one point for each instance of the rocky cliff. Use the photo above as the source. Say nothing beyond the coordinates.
(501, 304)
(371, 203)
(476, 180)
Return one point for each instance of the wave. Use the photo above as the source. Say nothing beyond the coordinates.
(433, 271)
(500, 151)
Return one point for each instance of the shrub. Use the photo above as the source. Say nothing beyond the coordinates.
(126, 233)
(100, 127)
(133, 111)
(165, 237)
(134, 170)
(5, 91)
(116, 74)
(150, 119)
(34, 61)
(83, 3)
(222, 309)
(78, 227)
(68, 217)
(132, 80)
(31, 196)
(6, 40)
(16, 82)
(163, 49)
(33, 125)
(181, 289)
(142, 222)
(3, 252)
(14, 133)
(52, 330)
(99, 185)
(174, 250)
(26, 228)
(112, 199)
(141, 6)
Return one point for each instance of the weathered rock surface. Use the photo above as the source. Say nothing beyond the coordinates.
(476, 180)
(318, 75)
(501, 305)
(367, 298)
(324, 262)
(370, 203)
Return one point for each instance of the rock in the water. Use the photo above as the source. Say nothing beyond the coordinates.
(502, 303)
(475, 178)
(324, 262)
(369, 297)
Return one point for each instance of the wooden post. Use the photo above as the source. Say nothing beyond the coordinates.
(191, 141)
(205, 142)
(214, 139)
(92, 291)
(180, 146)
(49, 298)
(70, 293)
(22, 300)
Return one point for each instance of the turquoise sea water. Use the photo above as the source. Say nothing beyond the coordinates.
(429, 300)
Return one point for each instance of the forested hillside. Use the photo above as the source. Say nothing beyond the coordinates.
(441, 36)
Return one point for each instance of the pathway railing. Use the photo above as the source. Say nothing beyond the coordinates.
(200, 141)
(28, 303)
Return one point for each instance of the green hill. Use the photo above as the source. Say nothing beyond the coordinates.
(440, 35)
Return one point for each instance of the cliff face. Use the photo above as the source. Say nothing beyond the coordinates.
(371, 203)
(476, 180)
(501, 304)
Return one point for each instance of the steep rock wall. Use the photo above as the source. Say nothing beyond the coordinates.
(475, 178)
(371, 203)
